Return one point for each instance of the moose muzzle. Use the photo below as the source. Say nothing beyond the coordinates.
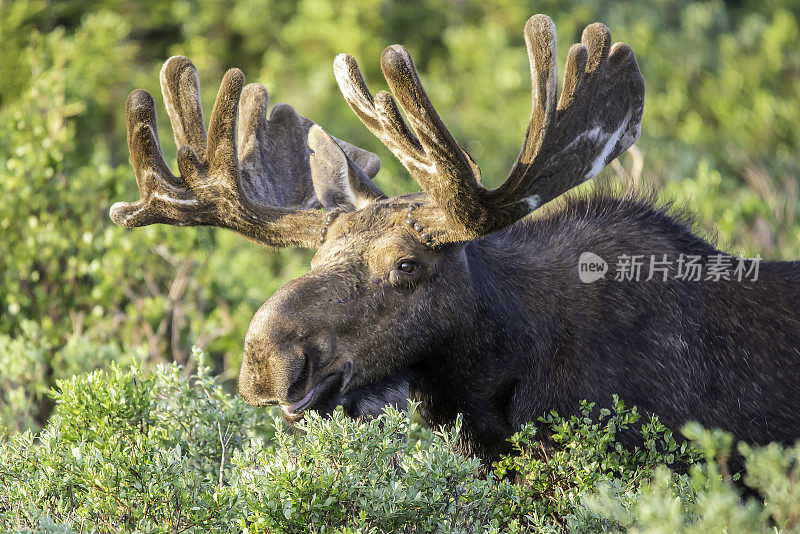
(290, 353)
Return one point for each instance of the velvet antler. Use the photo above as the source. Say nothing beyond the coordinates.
(273, 193)
(596, 119)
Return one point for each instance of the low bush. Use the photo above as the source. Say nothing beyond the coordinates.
(705, 499)
(160, 451)
(579, 454)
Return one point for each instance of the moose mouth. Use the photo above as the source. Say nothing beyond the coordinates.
(368, 400)
(329, 384)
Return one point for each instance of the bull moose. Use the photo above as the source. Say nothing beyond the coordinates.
(456, 296)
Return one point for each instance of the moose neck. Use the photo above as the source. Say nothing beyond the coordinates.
(513, 301)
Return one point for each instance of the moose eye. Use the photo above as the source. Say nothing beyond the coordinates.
(408, 267)
(405, 275)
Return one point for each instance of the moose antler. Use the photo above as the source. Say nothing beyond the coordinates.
(596, 119)
(289, 169)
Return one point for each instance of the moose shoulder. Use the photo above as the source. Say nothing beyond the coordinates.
(454, 297)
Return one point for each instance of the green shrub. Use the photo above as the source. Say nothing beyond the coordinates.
(704, 500)
(369, 476)
(129, 450)
(158, 451)
(27, 361)
(167, 451)
(577, 454)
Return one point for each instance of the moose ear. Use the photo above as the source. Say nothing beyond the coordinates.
(341, 173)
(366, 161)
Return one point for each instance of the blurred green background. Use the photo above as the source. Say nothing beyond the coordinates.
(719, 136)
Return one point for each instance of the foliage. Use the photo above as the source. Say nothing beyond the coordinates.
(156, 451)
(127, 450)
(705, 499)
(365, 477)
(26, 359)
(578, 453)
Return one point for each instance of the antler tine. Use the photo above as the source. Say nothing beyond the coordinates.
(222, 127)
(540, 41)
(156, 182)
(180, 87)
(379, 114)
(573, 74)
(447, 173)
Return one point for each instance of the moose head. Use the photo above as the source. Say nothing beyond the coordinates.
(402, 291)
(390, 282)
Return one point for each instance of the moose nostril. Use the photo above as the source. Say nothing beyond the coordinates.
(305, 373)
(300, 379)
